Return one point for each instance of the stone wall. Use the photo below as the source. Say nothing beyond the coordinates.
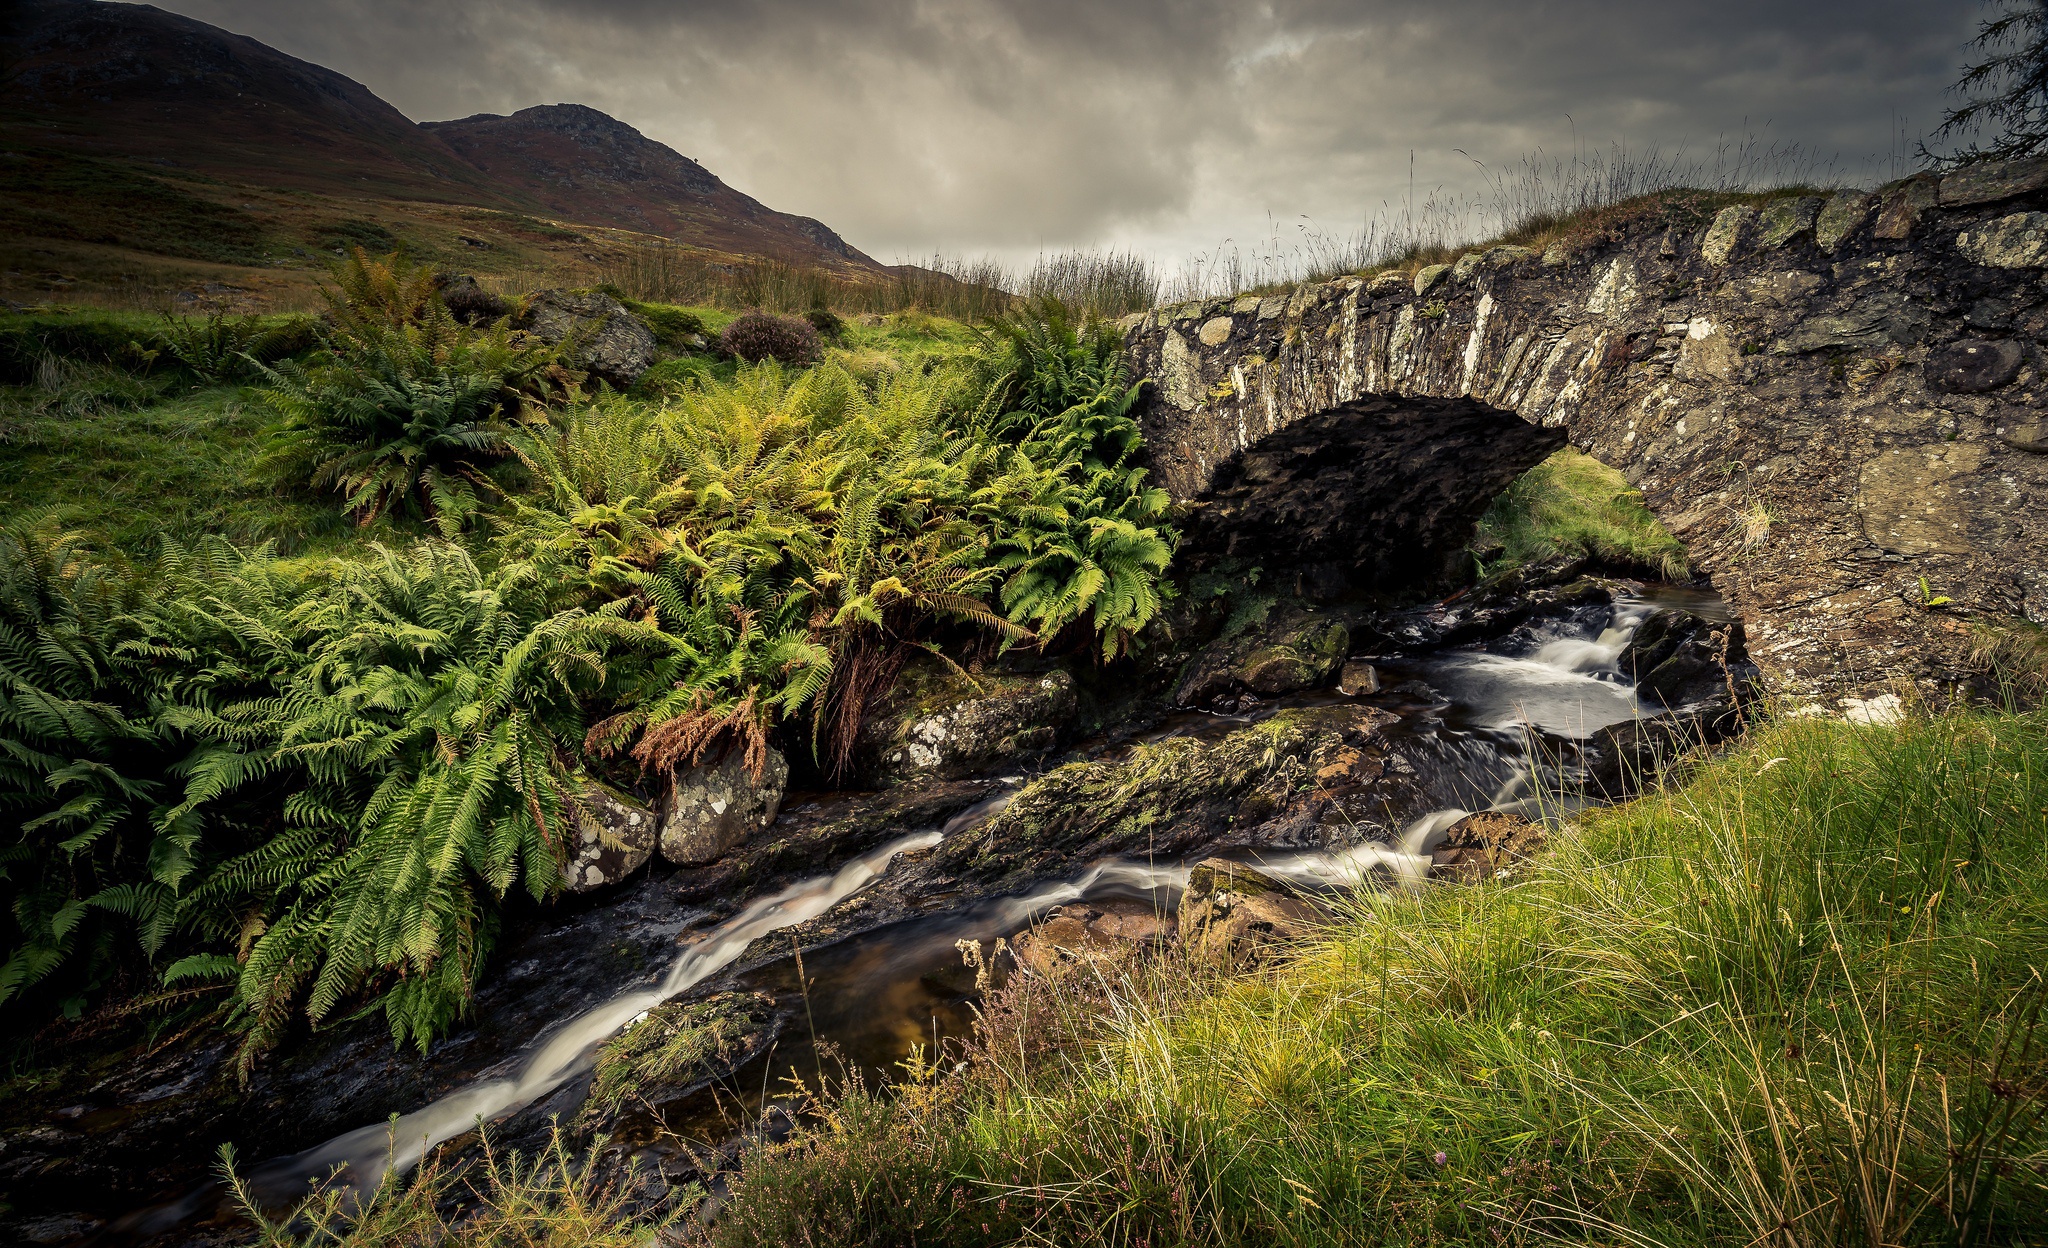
(1838, 403)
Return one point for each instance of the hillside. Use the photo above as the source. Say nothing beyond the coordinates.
(148, 158)
(581, 165)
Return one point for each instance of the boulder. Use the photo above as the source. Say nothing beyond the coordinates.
(939, 725)
(1296, 648)
(1679, 660)
(605, 340)
(615, 836)
(1087, 932)
(674, 1049)
(1358, 678)
(1233, 913)
(1480, 846)
(713, 809)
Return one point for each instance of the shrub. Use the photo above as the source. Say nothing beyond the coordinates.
(222, 348)
(758, 336)
(826, 322)
(408, 403)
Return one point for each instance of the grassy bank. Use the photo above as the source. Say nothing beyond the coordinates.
(1795, 1001)
(1572, 505)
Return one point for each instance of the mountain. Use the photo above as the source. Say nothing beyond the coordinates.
(130, 80)
(582, 165)
(130, 89)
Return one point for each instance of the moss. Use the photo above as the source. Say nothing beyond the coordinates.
(1573, 505)
(1165, 795)
(675, 1045)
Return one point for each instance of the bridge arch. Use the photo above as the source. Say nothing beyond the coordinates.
(1826, 399)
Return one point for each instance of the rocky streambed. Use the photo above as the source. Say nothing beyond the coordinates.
(1310, 748)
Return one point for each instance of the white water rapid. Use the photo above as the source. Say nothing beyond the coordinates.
(368, 1153)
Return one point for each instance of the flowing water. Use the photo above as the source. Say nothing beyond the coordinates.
(1472, 722)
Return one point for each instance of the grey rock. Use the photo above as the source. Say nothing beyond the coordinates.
(1428, 276)
(1990, 181)
(1295, 649)
(713, 809)
(1234, 914)
(1216, 331)
(1726, 235)
(615, 836)
(2019, 241)
(1975, 365)
(1845, 213)
(606, 340)
(1182, 372)
(943, 727)
(1786, 219)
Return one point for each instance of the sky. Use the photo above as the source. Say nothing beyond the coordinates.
(1175, 128)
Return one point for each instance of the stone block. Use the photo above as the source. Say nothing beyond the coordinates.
(1428, 276)
(1726, 235)
(1843, 215)
(2019, 241)
(1990, 181)
(1900, 206)
(1786, 219)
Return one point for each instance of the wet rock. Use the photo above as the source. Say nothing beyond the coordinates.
(1490, 609)
(939, 724)
(1678, 659)
(1296, 648)
(615, 836)
(1975, 365)
(1358, 678)
(713, 809)
(1481, 846)
(605, 339)
(675, 1049)
(1234, 914)
(1085, 932)
(1267, 783)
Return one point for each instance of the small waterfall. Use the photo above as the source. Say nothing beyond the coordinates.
(367, 1153)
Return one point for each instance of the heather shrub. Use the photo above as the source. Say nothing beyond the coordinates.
(758, 336)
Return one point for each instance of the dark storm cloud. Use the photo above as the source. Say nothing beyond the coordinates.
(1007, 125)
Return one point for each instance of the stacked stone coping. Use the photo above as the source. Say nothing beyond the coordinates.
(1768, 379)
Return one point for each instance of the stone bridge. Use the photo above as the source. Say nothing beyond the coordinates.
(1839, 404)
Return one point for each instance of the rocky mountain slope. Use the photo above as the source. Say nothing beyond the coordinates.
(102, 94)
(579, 164)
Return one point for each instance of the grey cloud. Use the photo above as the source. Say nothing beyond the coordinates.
(1007, 125)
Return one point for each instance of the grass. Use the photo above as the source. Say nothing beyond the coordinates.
(137, 459)
(1794, 1001)
(1540, 199)
(1572, 504)
(552, 1200)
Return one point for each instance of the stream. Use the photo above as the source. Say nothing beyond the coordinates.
(1490, 727)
